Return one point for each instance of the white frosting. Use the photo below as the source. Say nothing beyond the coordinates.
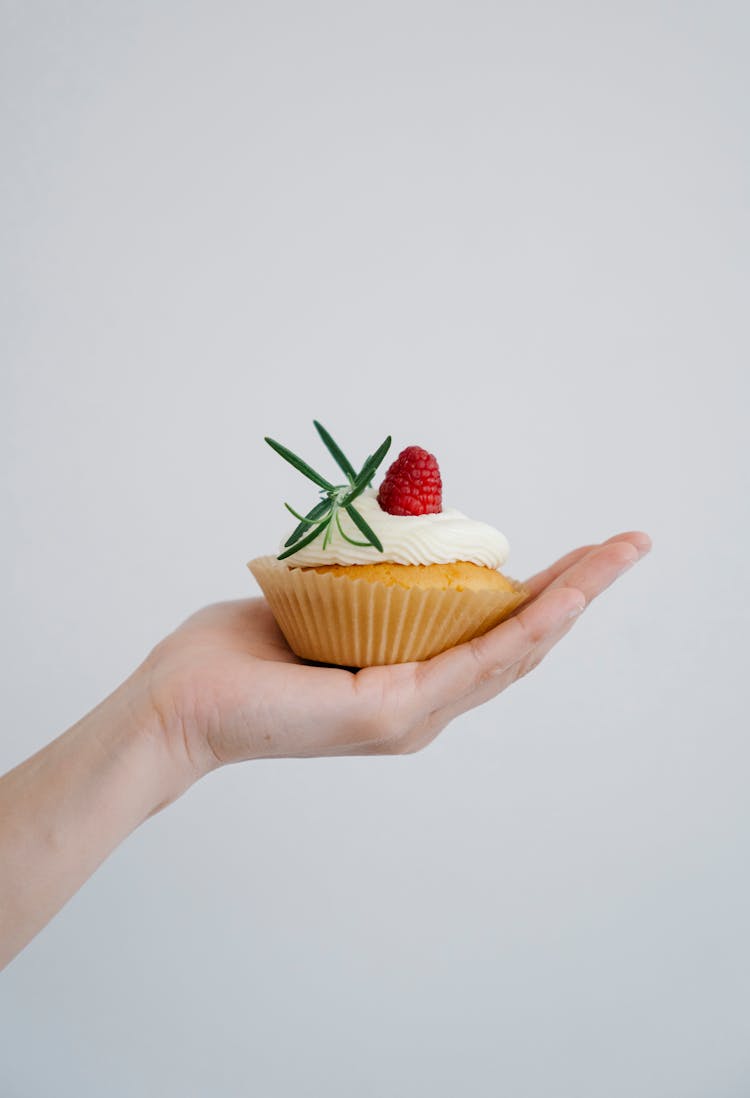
(407, 539)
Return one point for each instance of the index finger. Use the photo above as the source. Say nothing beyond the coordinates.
(454, 674)
(537, 583)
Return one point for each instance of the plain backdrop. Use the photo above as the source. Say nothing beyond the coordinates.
(517, 235)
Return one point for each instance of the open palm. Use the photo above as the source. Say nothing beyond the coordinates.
(227, 687)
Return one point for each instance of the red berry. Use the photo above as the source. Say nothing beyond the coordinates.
(412, 485)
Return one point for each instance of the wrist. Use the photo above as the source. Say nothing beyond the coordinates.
(166, 709)
(135, 731)
(67, 807)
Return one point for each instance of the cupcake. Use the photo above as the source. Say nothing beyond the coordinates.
(384, 576)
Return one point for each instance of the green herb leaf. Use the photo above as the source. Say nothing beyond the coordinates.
(297, 515)
(367, 472)
(336, 452)
(318, 511)
(304, 541)
(346, 537)
(300, 465)
(329, 527)
(370, 466)
(364, 528)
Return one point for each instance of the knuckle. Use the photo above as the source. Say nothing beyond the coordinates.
(528, 664)
(528, 635)
(483, 668)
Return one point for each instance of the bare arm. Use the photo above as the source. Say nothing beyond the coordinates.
(67, 807)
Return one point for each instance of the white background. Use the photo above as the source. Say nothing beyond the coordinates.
(515, 234)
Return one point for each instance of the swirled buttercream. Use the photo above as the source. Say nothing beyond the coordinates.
(407, 539)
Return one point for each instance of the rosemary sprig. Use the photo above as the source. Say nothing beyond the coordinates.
(324, 517)
(303, 541)
(364, 527)
(316, 513)
(299, 464)
(336, 452)
(346, 537)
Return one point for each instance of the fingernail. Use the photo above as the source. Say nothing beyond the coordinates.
(576, 610)
(644, 549)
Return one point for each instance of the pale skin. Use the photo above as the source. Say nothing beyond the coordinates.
(224, 687)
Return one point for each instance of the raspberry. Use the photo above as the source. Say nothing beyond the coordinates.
(412, 485)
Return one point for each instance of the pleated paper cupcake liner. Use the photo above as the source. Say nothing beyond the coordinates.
(358, 623)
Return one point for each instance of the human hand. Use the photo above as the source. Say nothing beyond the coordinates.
(226, 686)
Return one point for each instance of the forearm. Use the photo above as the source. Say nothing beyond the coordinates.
(66, 808)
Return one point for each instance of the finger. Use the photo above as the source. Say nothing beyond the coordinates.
(495, 684)
(452, 675)
(538, 582)
(598, 569)
(602, 571)
(602, 567)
